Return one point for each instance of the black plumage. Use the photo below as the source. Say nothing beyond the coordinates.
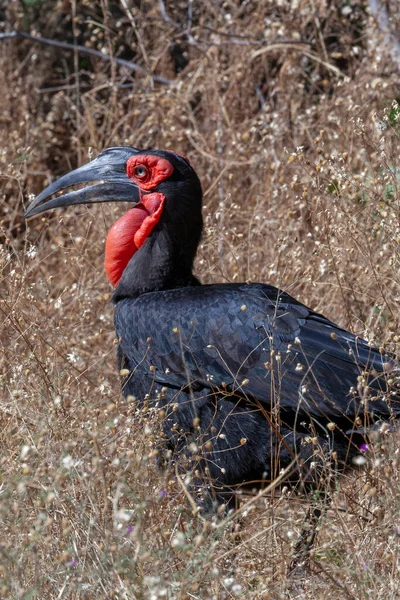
(248, 378)
(250, 363)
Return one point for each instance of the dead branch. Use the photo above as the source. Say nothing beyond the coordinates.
(90, 51)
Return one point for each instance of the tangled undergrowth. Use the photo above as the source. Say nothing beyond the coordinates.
(289, 111)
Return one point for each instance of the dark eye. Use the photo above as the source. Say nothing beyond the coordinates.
(140, 171)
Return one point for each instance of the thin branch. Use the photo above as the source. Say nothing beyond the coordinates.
(91, 51)
(169, 20)
(83, 86)
(298, 48)
(136, 30)
(246, 40)
(190, 15)
(166, 16)
(234, 35)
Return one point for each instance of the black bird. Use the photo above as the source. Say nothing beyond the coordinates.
(248, 377)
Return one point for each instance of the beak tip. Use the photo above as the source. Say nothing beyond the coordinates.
(30, 211)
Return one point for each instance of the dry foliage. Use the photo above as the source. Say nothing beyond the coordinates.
(288, 112)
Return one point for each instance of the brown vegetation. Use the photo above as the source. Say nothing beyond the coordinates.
(289, 112)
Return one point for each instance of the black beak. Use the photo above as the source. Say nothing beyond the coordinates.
(107, 170)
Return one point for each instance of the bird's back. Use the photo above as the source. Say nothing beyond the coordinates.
(258, 343)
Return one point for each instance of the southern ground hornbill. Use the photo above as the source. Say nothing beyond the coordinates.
(247, 377)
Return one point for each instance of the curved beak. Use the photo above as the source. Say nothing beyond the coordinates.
(107, 175)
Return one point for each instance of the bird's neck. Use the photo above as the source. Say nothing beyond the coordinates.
(161, 263)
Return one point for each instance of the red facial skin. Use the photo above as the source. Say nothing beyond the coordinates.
(158, 169)
(129, 233)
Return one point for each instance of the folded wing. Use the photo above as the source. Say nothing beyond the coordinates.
(256, 342)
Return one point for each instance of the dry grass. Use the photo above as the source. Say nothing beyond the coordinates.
(288, 112)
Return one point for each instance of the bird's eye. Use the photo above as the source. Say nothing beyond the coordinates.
(140, 171)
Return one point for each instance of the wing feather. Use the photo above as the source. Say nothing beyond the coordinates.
(256, 341)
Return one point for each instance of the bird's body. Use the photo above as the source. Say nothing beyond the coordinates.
(250, 375)
(247, 377)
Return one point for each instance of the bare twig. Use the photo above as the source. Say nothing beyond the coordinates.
(91, 51)
(187, 494)
(136, 30)
(298, 48)
(168, 19)
(166, 16)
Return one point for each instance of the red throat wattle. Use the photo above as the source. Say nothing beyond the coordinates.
(129, 233)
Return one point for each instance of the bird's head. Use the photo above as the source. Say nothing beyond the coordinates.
(162, 186)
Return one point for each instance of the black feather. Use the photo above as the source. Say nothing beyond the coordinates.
(241, 357)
